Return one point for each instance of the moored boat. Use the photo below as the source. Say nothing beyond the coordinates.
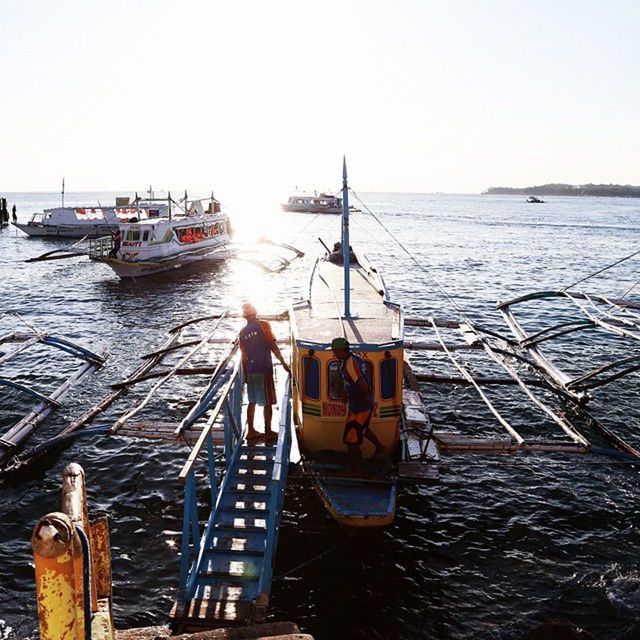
(535, 200)
(89, 221)
(155, 245)
(373, 326)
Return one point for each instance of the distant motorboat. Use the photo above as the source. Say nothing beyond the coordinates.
(324, 203)
(535, 199)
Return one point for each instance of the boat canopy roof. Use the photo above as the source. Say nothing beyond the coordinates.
(374, 323)
(178, 221)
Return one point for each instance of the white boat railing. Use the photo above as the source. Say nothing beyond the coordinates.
(100, 247)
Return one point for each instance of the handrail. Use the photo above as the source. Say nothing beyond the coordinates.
(278, 485)
(188, 465)
(202, 404)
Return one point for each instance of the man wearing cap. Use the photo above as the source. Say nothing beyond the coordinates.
(257, 342)
(357, 385)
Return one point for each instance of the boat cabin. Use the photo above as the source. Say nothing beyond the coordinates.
(374, 332)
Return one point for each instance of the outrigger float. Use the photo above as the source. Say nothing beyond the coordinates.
(12, 439)
(234, 490)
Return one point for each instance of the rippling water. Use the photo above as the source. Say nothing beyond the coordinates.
(498, 546)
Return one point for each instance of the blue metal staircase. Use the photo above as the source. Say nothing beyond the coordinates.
(226, 572)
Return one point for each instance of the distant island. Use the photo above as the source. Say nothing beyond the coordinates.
(602, 190)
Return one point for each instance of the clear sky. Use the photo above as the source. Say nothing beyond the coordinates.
(422, 95)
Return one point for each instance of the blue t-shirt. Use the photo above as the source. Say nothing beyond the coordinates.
(255, 343)
(353, 368)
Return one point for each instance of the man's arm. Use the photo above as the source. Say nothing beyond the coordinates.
(276, 352)
(273, 345)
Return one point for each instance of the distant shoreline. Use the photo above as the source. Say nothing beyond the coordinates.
(601, 190)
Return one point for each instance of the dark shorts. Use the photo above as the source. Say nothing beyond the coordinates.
(357, 426)
(261, 389)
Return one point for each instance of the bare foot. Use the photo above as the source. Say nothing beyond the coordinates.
(253, 435)
(270, 436)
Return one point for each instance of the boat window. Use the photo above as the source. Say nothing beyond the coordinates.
(388, 371)
(133, 236)
(336, 383)
(145, 235)
(311, 377)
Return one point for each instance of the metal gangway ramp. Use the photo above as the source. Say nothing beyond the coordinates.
(226, 565)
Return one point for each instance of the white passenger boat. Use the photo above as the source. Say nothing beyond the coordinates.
(323, 203)
(92, 222)
(155, 245)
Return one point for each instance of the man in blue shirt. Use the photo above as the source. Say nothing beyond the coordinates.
(257, 343)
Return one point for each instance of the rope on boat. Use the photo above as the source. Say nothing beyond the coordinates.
(606, 268)
(319, 556)
(457, 308)
(26, 323)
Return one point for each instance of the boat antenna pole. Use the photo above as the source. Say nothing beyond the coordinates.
(346, 253)
(63, 193)
(169, 199)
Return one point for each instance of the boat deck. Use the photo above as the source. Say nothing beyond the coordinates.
(372, 322)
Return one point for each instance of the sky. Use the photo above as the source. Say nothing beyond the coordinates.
(260, 97)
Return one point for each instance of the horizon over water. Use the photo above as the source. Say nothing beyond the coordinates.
(498, 546)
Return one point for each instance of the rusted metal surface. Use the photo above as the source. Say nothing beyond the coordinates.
(74, 504)
(55, 549)
(59, 561)
(101, 557)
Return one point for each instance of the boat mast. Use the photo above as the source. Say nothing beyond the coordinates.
(63, 193)
(346, 253)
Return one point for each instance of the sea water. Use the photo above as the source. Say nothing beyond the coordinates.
(499, 545)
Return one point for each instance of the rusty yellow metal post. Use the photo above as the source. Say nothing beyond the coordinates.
(73, 568)
(74, 504)
(55, 547)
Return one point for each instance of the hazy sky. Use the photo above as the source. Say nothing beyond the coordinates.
(422, 95)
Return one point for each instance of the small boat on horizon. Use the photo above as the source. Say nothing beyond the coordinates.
(323, 203)
(535, 200)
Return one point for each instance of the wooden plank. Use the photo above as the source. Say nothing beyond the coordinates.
(457, 443)
(418, 472)
(438, 379)
(212, 613)
(435, 346)
(165, 432)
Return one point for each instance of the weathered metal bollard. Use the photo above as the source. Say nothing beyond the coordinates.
(56, 548)
(73, 568)
(74, 504)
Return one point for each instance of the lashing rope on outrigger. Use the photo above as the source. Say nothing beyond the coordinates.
(626, 452)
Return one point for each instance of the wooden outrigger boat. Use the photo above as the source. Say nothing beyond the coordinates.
(15, 437)
(374, 328)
